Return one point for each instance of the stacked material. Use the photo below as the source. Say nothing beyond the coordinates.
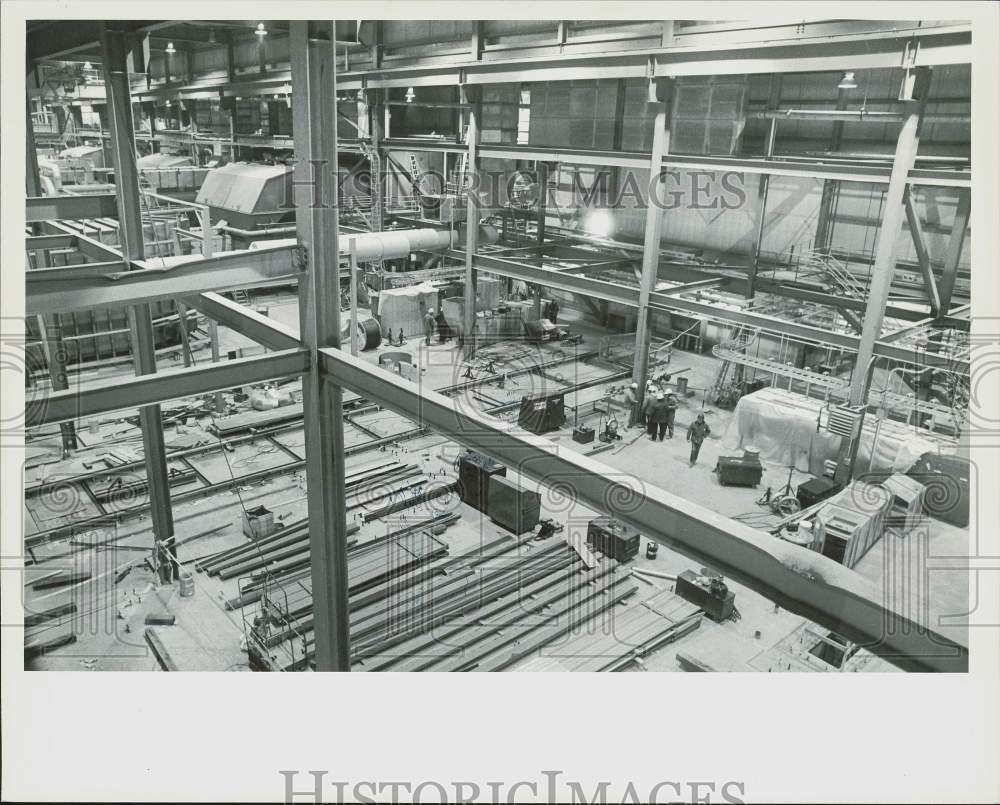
(405, 308)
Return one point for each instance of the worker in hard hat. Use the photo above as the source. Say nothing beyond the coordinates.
(697, 431)
(632, 403)
(671, 412)
(657, 419)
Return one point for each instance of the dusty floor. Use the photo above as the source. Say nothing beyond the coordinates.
(208, 637)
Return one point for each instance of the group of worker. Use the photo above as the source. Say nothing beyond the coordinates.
(656, 414)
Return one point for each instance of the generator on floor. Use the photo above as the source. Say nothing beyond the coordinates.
(745, 470)
(514, 508)
(542, 413)
(474, 473)
(708, 591)
(613, 539)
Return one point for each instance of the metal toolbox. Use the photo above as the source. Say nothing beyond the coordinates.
(741, 471)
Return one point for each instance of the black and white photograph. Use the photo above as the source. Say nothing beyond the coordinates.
(661, 339)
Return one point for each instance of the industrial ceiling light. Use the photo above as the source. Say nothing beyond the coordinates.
(261, 30)
(211, 36)
(170, 48)
(410, 95)
(88, 66)
(168, 103)
(848, 82)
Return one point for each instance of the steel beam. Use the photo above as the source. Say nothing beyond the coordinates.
(92, 248)
(110, 285)
(316, 218)
(114, 48)
(253, 325)
(797, 579)
(885, 253)
(612, 292)
(923, 258)
(779, 166)
(953, 252)
(68, 208)
(36, 242)
(170, 384)
(651, 239)
(468, 97)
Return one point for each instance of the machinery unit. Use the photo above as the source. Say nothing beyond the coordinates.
(583, 434)
(514, 508)
(542, 413)
(853, 521)
(813, 491)
(612, 539)
(739, 470)
(474, 473)
(707, 591)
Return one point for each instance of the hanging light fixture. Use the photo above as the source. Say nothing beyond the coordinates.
(261, 30)
(168, 103)
(848, 82)
(211, 36)
(410, 95)
(88, 66)
(170, 48)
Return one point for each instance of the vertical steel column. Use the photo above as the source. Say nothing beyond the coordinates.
(923, 258)
(353, 267)
(468, 94)
(316, 220)
(953, 252)
(892, 222)
(543, 197)
(115, 53)
(762, 188)
(651, 242)
(49, 331)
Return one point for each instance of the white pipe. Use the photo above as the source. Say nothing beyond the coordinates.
(381, 245)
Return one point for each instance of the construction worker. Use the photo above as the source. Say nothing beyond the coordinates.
(632, 403)
(648, 400)
(671, 412)
(554, 311)
(697, 431)
(429, 324)
(657, 419)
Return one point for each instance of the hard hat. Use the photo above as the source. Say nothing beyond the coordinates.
(635, 385)
(660, 396)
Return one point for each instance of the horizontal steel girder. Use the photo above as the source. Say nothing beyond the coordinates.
(857, 172)
(254, 325)
(85, 287)
(612, 292)
(68, 208)
(800, 580)
(169, 384)
(942, 45)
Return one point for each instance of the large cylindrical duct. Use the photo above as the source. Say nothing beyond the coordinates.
(392, 244)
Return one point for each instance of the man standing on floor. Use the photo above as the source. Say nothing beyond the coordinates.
(648, 400)
(671, 411)
(657, 418)
(697, 431)
(429, 323)
(554, 311)
(631, 402)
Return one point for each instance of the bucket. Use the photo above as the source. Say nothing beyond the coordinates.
(751, 452)
(682, 385)
(187, 584)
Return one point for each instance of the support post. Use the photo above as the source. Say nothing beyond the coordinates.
(953, 252)
(316, 219)
(885, 254)
(764, 184)
(183, 332)
(923, 258)
(114, 46)
(213, 336)
(353, 333)
(469, 96)
(49, 331)
(654, 228)
(543, 197)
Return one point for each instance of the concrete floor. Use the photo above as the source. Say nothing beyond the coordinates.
(764, 639)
